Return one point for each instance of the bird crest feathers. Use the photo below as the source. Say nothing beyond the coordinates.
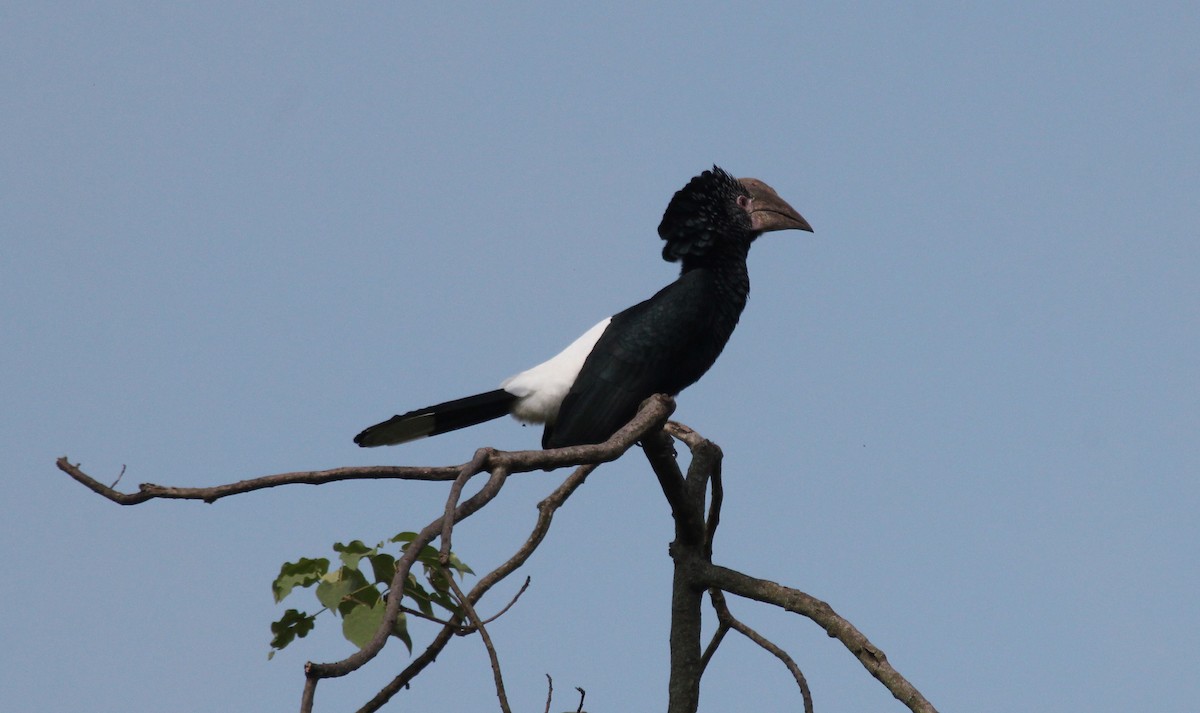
(697, 213)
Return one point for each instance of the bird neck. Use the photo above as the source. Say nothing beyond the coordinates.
(728, 277)
(726, 260)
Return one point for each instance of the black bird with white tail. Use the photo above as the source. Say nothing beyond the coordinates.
(663, 345)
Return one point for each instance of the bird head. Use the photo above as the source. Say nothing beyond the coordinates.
(715, 207)
(767, 210)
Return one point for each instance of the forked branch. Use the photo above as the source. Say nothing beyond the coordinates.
(695, 572)
(691, 551)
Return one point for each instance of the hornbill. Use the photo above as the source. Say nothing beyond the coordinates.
(663, 345)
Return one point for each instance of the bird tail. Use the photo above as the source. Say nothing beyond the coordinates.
(439, 418)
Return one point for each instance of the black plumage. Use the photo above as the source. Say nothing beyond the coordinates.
(661, 345)
(666, 343)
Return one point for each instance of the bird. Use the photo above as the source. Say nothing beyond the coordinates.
(589, 390)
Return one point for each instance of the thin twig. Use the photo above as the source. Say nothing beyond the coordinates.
(684, 433)
(462, 630)
(473, 617)
(469, 470)
(549, 691)
(582, 695)
(714, 509)
(652, 413)
(718, 637)
(508, 606)
(119, 476)
(870, 656)
(403, 566)
(729, 621)
(308, 695)
(418, 664)
(150, 491)
(546, 509)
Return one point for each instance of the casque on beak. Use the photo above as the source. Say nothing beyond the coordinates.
(770, 212)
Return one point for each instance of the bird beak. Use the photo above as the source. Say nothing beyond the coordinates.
(770, 212)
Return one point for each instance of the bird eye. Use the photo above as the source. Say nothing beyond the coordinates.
(745, 203)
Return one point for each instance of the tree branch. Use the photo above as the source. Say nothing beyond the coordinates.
(546, 509)
(691, 551)
(729, 621)
(686, 498)
(483, 634)
(793, 600)
(695, 572)
(718, 637)
(653, 412)
(476, 465)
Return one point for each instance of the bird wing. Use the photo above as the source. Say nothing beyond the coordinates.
(661, 345)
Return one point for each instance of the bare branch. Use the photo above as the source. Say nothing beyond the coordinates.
(508, 606)
(729, 621)
(119, 476)
(546, 509)
(466, 630)
(718, 637)
(410, 671)
(150, 491)
(660, 452)
(686, 498)
(684, 433)
(403, 566)
(483, 634)
(653, 412)
(691, 552)
(308, 697)
(549, 691)
(468, 471)
(694, 569)
(793, 600)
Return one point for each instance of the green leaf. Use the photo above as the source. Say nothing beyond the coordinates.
(353, 552)
(359, 600)
(303, 573)
(438, 578)
(444, 601)
(383, 566)
(361, 623)
(458, 565)
(418, 595)
(292, 625)
(366, 595)
(400, 631)
(345, 589)
(430, 557)
(333, 589)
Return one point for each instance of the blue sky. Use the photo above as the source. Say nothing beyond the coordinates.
(963, 412)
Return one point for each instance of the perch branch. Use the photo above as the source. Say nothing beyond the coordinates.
(650, 418)
(653, 412)
(476, 465)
